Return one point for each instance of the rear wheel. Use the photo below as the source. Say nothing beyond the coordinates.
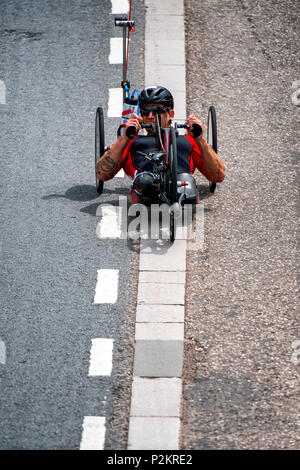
(99, 143)
(212, 136)
(172, 180)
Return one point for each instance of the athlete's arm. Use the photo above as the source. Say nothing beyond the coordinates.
(110, 162)
(213, 167)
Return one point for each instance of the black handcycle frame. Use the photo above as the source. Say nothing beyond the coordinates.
(164, 162)
(164, 171)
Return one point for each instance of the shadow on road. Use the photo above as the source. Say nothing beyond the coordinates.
(84, 192)
(87, 192)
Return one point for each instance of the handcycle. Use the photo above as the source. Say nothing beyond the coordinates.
(171, 188)
(174, 189)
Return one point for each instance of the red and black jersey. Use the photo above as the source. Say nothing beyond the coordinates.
(188, 155)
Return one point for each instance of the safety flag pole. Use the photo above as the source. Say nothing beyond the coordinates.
(125, 23)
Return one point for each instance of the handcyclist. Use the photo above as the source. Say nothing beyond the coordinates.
(129, 153)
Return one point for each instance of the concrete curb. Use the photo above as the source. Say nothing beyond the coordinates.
(155, 414)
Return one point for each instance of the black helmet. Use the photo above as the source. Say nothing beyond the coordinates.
(158, 94)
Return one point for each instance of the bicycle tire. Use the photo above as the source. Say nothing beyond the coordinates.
(212, 137)
(99, 144)
(172, 179)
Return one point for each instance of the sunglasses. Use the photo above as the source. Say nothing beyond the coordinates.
(154, 110)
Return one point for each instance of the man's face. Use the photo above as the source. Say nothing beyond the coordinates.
(149, 115)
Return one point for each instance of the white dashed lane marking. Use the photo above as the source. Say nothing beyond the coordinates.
(2, 352)
(109, 225)
(93, 434)
(2, 92)
(106, 291)
(115, 102)
(101, 356)
(116, 51)
(119, 6)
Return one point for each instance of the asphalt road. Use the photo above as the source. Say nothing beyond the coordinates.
(242, 378)
(54, 62)
(241, 382)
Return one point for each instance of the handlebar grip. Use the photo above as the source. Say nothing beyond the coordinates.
(196, 129)
(130, 132)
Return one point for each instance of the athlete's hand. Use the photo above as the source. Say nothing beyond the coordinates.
(191, 120)
(134, 121)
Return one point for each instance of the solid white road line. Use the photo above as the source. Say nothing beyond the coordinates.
(101, 356)
(115, 102)
(119, 6)
(93, 435)
(2, 92)
(106, 291)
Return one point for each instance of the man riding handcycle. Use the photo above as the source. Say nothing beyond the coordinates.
(148, 159)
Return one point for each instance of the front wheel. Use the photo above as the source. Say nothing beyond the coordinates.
(172, 180)
(99, 144)
(212, 137)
